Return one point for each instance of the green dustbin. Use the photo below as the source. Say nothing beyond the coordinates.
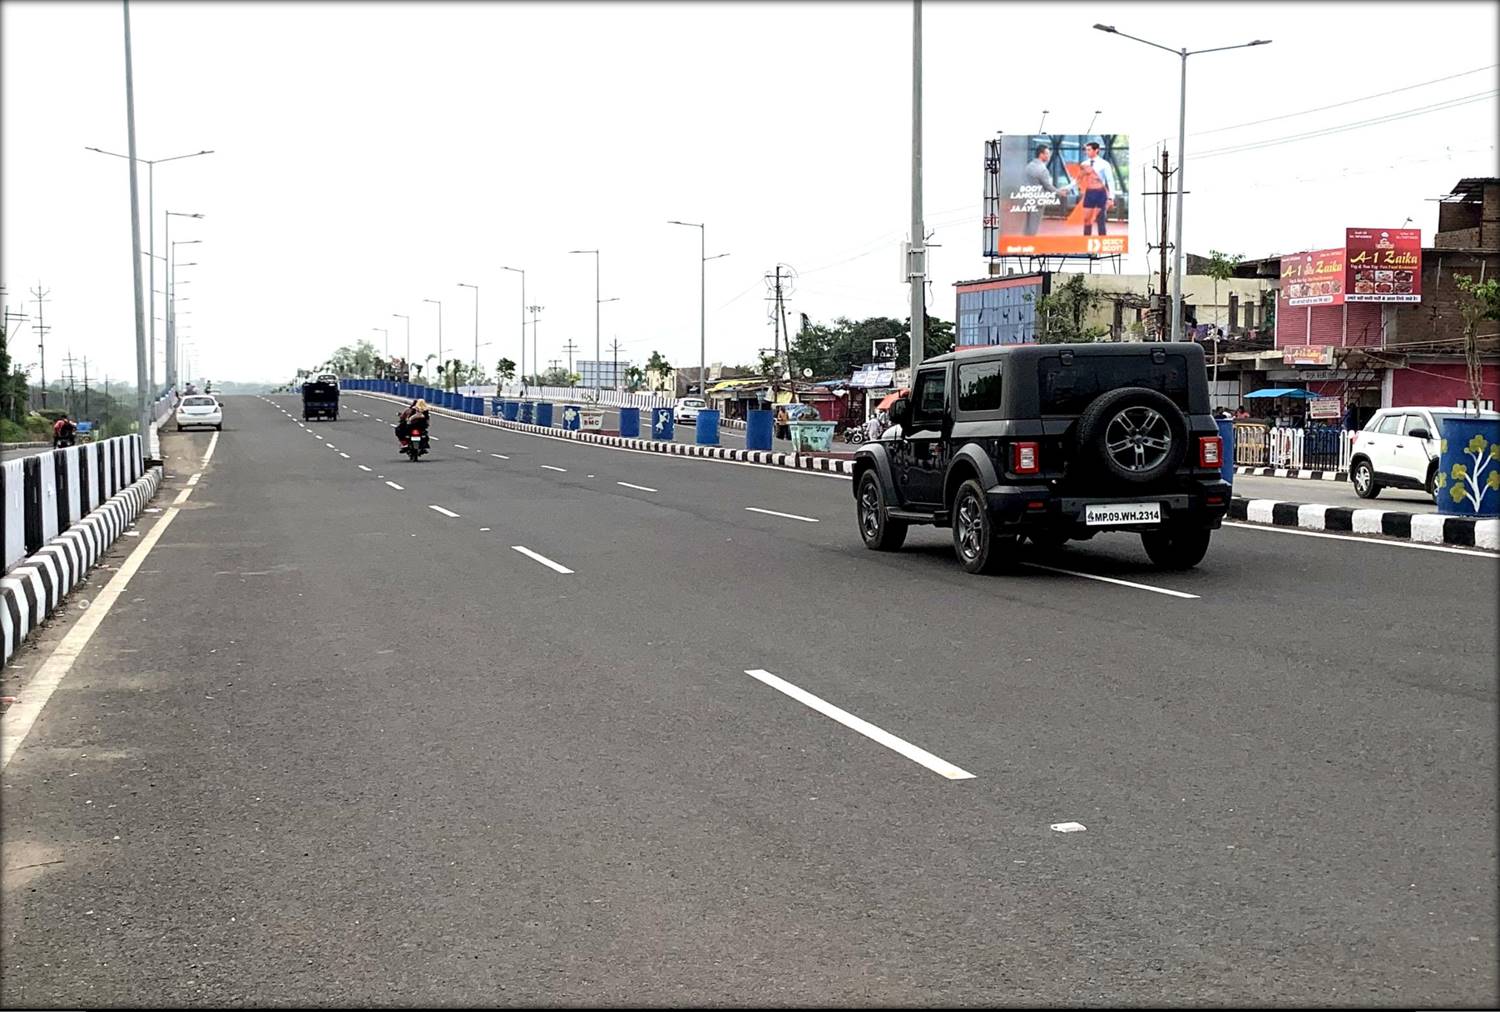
(812, 436)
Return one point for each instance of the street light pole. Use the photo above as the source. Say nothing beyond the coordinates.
(916, 268)
(439, 304)
(387, 334)
(597, 303)
(403, 316)
(173, 359)
(518, 270)
(462, 284)
(151, 242)
(142, 379)
(536, 363)
(703, 260)
(1182, 54)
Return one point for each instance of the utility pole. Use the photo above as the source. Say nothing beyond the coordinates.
(570, 348)
(39, 296)
(917, 259)
(72, 394)
(615, 347)
(1164, 324)
(85, 386)
(781, 305)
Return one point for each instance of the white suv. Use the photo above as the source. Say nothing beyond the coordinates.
(1398, 448)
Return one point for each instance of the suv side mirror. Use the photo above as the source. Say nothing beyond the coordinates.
(1420, 433)
(901, 413)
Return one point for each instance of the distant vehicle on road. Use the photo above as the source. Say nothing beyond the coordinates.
(1051, 443)
(686, 409)
(320, 399)
(1398, 448)
(200, 410)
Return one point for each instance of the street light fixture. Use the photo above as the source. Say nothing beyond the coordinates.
(172, 358)
(1181, 156)
(403, 316)
(520, 271)
(597, 303)
(150, 164)
(439, 304)
(172, 282)
(387, 334)
(702, 303)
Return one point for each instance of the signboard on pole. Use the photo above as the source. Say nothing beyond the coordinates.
(1307, 354)
(1315, 278)
(1057, 195)
(1383, 265)
(1325, 407)
(590, 419)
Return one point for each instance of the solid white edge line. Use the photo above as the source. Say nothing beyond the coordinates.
(393, 485)
(208, 454)
(789, 516)
(23, 713)
(1368, 540)
(540, 558)
(643, 488)
(446, 513)
(1111, 579)
(921, 756)
(193, 480)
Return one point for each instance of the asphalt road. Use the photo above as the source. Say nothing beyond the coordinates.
(12, 454)
(342, 743)
(1331, 493)
(688, 433)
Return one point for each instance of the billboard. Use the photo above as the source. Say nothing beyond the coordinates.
(1315, 278)
(1307, 354)
(1383, 265)
(1057, 195)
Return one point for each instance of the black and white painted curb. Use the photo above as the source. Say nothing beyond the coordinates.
(791, 461)
(34, 588)
(1427, 528)
(1293, 472)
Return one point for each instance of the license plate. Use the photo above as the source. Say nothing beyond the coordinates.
(1123, 513)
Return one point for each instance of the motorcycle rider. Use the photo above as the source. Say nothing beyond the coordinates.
(416, 416)
(63, 431)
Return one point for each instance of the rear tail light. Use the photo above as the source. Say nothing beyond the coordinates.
(1210, 451)
(1025, 458)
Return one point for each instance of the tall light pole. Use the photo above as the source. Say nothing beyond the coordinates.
(142, 380)
(172, 283)
(151, 242)
(462, 284)
(520, 271)
(703, 259)
(1183, 54)
(597, 303)
(172, 357)
(916, 259)
(387, 334)
(536, 363)
(403, 316)
(439, 304)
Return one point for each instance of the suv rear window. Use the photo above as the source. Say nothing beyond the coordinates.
(1068, 389)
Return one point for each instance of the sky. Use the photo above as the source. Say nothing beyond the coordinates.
(370, 156)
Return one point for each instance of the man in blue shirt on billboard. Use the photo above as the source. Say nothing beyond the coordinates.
(1096, 178)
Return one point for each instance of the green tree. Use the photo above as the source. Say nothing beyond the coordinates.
(658, 364)
(1221, 267)
(506, 370)
(1062, 315)
(1479, 302)
(635, 378)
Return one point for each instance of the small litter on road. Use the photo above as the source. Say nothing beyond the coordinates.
(1069, 827)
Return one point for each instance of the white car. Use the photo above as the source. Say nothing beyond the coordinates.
(1398, 448)
(200, 409)
(686, 409)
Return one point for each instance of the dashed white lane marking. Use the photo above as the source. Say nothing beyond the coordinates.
(789, 516)
(363, 468)
(393, 485)
(484, 528)
(446, 513)
(1111, 579)
(1068, 827)
(330, 446)
(642, 488)
(921, 756)
(551, 468)
(460, 446)
(540, 558)
(343, 454)
(500, 455)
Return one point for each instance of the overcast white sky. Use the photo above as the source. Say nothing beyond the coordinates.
(370, 156)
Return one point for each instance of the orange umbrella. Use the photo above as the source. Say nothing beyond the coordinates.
(889, 399)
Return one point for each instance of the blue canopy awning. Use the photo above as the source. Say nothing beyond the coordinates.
(1281, 392)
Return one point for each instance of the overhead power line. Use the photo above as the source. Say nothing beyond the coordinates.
(1346, 127)
(1339, 105)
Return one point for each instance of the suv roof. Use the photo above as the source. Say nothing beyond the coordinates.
(1024, 352)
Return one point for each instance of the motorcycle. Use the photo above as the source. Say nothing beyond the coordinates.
(855, 434)
(417, 444)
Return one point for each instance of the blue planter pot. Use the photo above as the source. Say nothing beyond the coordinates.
(1469, 468)
(662, 424)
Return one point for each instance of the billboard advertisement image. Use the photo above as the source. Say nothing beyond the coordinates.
(1057, 195)
(1315, 278)
(1383, 265)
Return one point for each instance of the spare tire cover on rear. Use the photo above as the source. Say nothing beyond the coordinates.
(1134, 434)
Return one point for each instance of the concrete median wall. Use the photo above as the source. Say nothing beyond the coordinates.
(35, 588)
(47, 493)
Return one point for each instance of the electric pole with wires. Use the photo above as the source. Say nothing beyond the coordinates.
(39, 296)
(1163, 300)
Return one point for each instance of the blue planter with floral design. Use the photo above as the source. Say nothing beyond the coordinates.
(1468, 478)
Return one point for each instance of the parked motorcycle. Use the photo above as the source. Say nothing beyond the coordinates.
(854, 434)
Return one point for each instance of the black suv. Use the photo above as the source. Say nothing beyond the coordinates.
(1050, 442)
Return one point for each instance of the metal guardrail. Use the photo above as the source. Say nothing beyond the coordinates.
(1317, 447)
